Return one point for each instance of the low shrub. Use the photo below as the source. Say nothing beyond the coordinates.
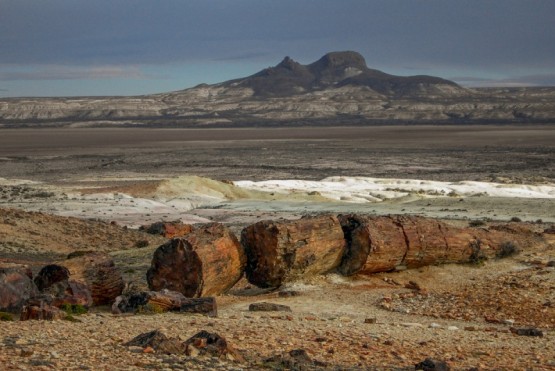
(6, 316)
(476, 223)
(506, 249)
(77, 309)
(516, 219)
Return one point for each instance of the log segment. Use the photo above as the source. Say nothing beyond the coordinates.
(206, 262)
(98, 272)
(396, 242)
(281, 251)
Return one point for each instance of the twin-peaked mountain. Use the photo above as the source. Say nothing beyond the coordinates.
(337, 89)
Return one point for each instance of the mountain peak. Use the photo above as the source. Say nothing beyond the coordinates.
(341, 60)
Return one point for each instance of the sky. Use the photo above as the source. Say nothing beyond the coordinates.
(134, 47)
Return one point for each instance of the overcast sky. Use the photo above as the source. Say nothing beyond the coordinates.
(125, 47)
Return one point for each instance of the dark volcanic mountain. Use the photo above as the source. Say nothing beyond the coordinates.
(333, 70)
(337, 89)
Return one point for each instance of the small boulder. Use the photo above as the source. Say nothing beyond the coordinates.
(39, 308)
(205, 343)
(16, 286)
(529, 331)
(430, 364)
(268, 307)
(157, 341)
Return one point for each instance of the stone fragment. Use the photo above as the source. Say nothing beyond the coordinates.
(39, 309)
(206, 262)
(16, 286)
(268, 307)
(212, 344)
(528, 331)
(159, 342)
(430, 364)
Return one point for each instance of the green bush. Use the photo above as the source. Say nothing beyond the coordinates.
(74, 309)
(5, 316)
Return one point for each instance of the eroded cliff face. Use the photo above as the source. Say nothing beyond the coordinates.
(337, 89)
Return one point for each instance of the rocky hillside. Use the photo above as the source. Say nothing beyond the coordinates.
(338, 89)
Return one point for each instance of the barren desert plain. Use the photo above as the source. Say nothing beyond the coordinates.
(64, 190)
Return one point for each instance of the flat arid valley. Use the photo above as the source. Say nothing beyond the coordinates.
(70, 190)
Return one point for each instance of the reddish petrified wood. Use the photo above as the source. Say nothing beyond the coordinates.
(97, 271)
(206, 262)
(54, 281)
(281, 251)
(385, 243)
(16, 286)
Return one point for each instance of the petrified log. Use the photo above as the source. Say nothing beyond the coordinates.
(97, 271)
(282, 251)
(168, 229)
(164, 300)
(54, 281)
(16, 286)
(386, 243)
(206, 262)
(40, 309)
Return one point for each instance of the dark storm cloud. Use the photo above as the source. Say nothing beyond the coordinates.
(425, 34)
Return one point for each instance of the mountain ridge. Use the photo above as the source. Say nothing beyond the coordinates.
(337, 89)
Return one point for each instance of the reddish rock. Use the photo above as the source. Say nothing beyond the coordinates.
(282, 251)
(16, 286)
(169, 229)
(157, 341)
(40, 309)
(212, 344)
(206, 262)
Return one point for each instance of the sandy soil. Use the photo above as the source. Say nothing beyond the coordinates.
(462, 315)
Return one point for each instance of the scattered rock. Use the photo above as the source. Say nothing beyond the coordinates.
(296, 359)
(430, 364)
(16, 286)
(213, 345)
(529, 331)
(370, 320)
(287, 294)
(268, 307)
(40, 309)
(157, 341)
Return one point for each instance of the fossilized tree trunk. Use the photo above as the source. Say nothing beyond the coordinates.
(206, 262)
(282, 251)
